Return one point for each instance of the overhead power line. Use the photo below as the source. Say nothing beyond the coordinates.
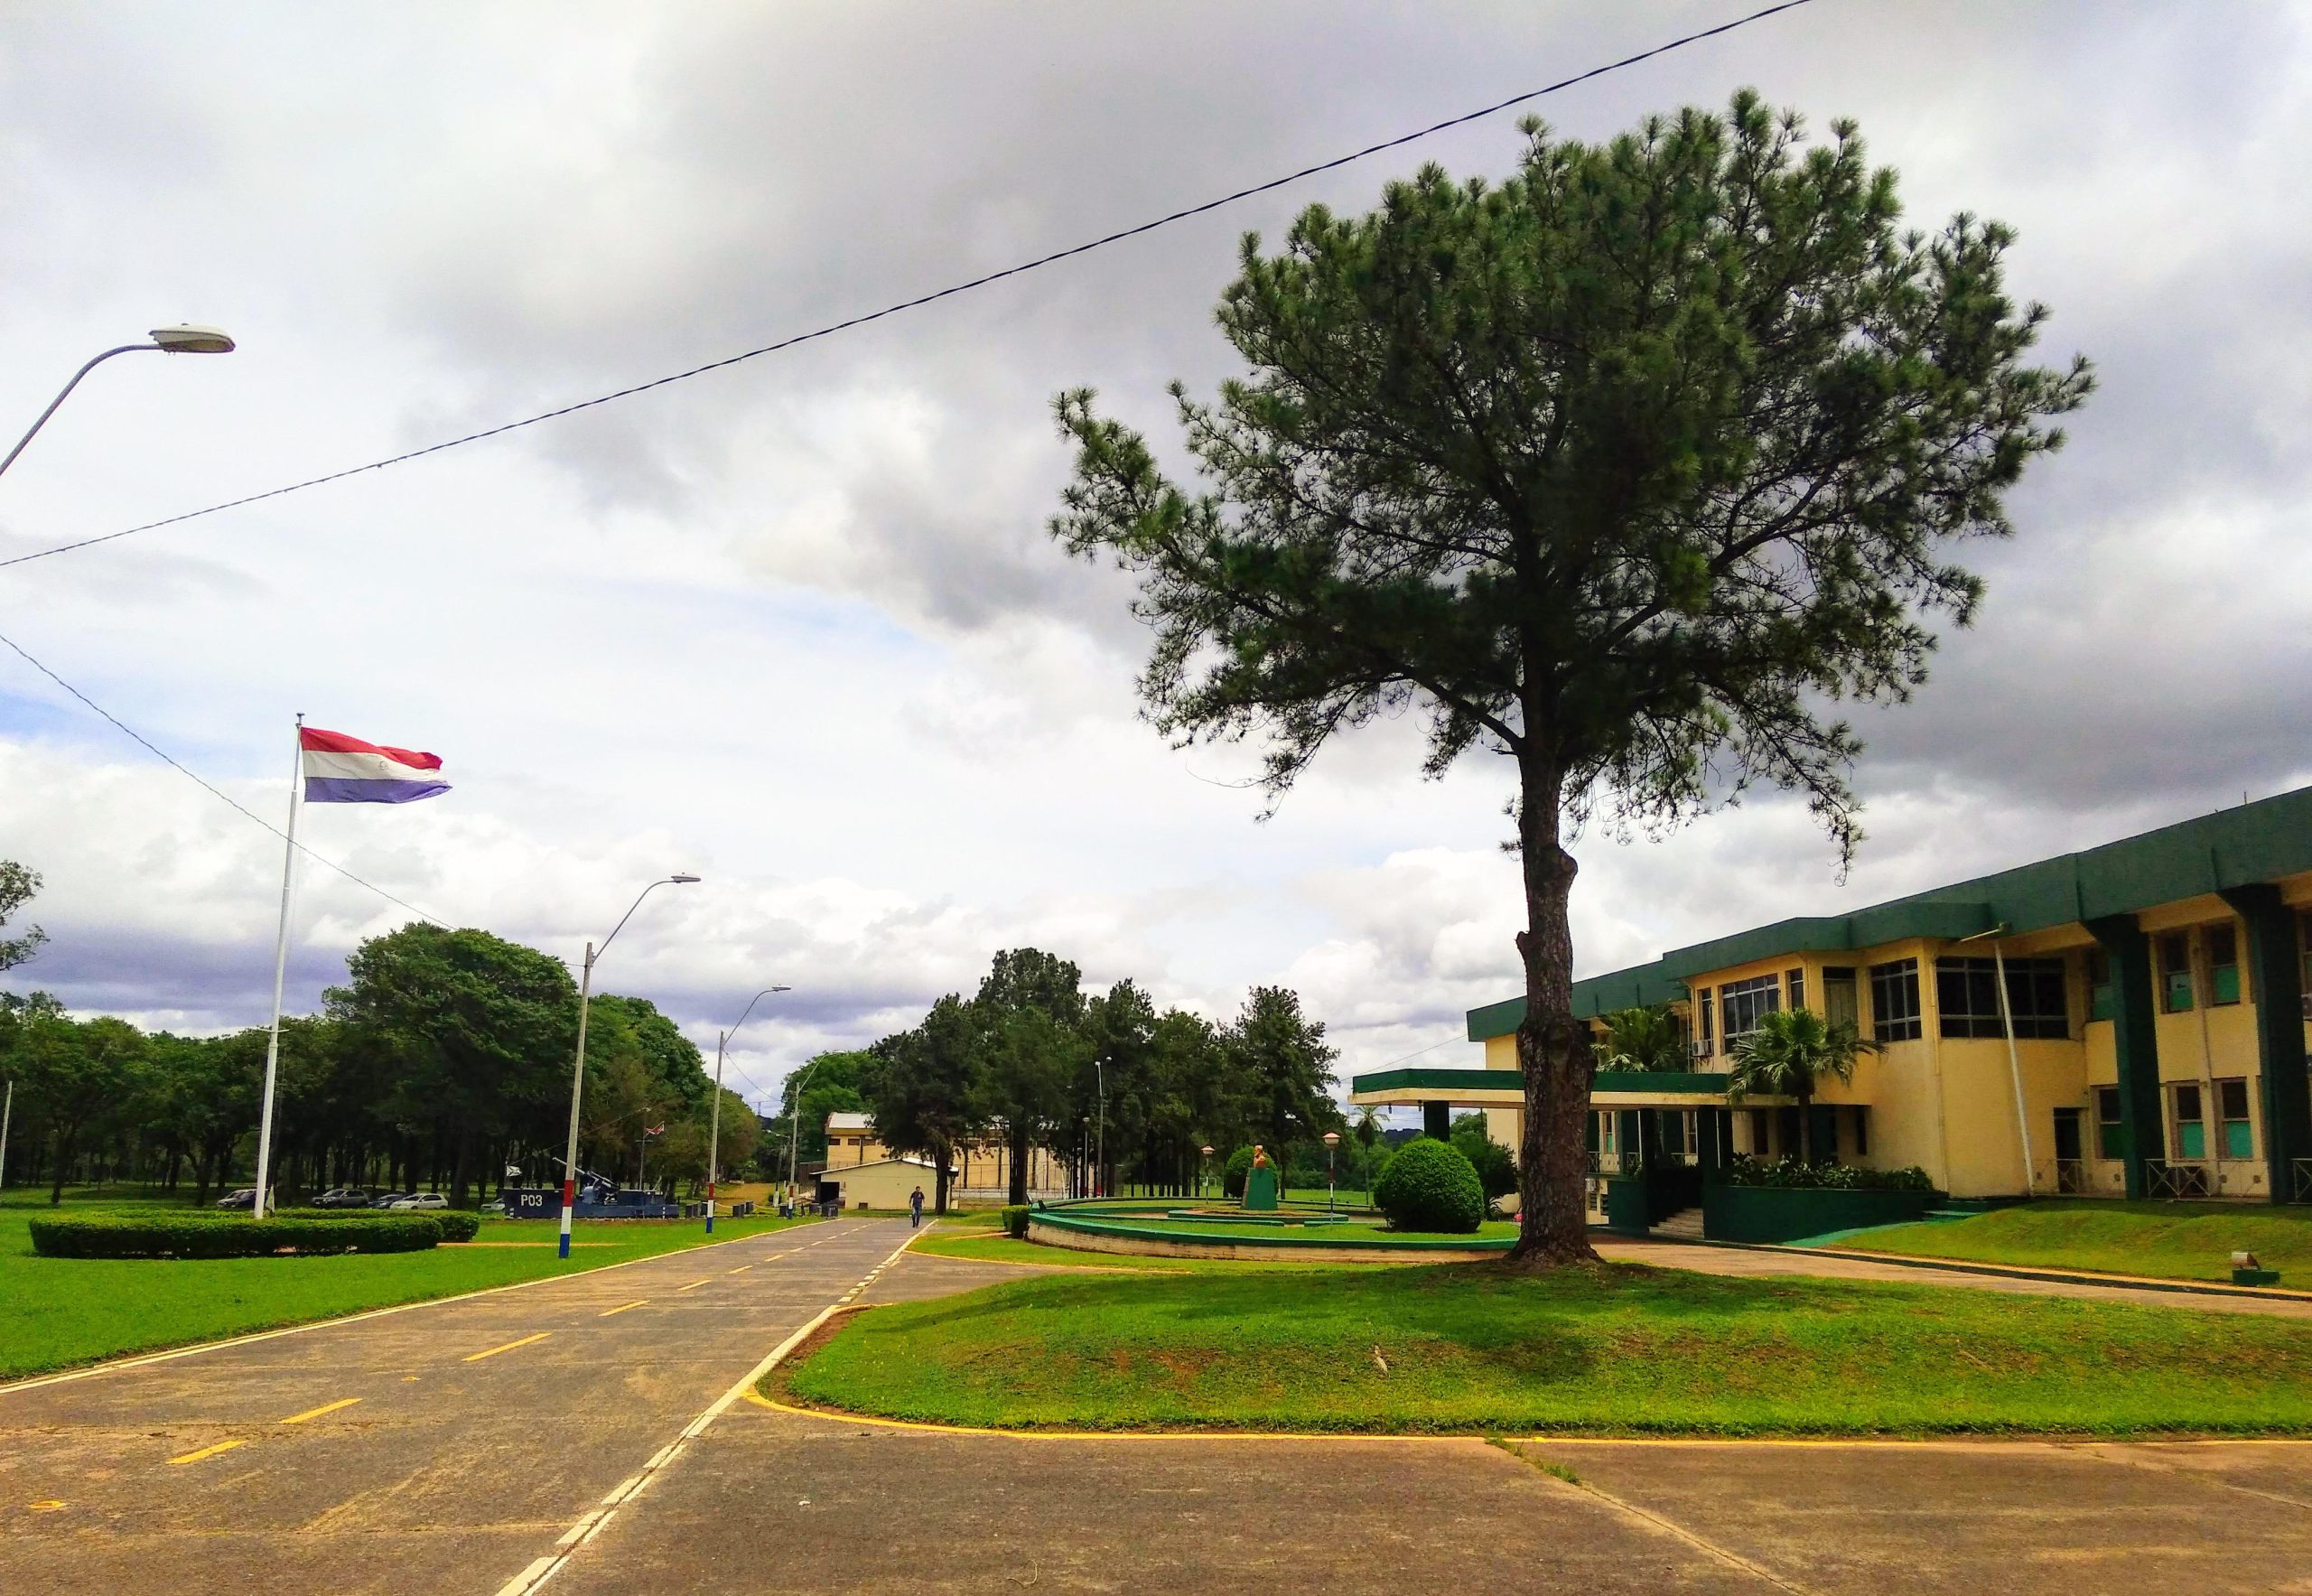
(217, 793)
(829, 330)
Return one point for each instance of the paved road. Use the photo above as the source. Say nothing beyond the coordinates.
(775, 1502)
(439, 1450)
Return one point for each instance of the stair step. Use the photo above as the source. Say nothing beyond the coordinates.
(1685, 1225)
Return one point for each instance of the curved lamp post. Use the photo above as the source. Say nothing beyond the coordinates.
(578, 1070)
(186, 340)
(715, 1117)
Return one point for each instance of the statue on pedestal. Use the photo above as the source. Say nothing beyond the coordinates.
(1261, 1183)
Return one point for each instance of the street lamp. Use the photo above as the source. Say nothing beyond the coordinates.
(578, 1069)
(1204, 1176)
(715, 1117)
(185, 340)
(793, 1123)
(1332, 1140)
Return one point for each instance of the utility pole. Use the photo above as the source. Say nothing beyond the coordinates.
(714, 1116)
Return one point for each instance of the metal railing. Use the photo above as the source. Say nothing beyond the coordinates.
(2071, 1177)
(2176, 1180)
(2302, 1191)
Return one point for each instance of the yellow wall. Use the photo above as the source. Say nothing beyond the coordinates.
(883, 1185)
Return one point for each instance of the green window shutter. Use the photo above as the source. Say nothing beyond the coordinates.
(2191, 1138)
(2225, 984)
(2179, 991)
(2098, 1001)
(2238, 1142)
(2108, 1139)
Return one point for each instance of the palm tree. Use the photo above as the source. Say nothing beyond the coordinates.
(1367, 1131)
(1789, 1055)
(1643, 1039)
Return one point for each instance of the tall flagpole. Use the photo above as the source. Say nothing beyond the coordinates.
(280, 969)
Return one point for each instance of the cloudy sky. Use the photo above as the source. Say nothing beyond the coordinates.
(796, 626)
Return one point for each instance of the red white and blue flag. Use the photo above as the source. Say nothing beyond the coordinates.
(341, 769)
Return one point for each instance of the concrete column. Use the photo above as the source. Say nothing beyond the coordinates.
(1437, 1121)
(2141, 1136)
(1711, 1130)
(2275, 981)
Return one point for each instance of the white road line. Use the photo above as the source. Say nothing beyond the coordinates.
(545, 1568)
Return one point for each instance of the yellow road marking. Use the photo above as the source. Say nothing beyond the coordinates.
(315, 1413)
(208, 1451)
(742, 1269)
(621, 1308)
(693, 1285)
(47, 1507)
(508, 1347)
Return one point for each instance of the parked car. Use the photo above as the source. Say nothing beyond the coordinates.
(423, 1200)
(342, 1197)
(246, 1197)
(386, 1199)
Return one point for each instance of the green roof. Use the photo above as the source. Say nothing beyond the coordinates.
(2257, 842)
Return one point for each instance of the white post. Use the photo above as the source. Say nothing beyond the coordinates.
(280, 969)
(714, 1128)
(577, 1082)
(2014, 1066)
(7, 1108)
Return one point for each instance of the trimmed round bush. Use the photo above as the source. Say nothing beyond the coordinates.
(228, 1236)
(1235, 1172)
(1429, 1185)
(1015, 1220)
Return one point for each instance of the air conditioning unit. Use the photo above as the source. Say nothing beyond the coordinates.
(2306, 1001)
(1702, 1045)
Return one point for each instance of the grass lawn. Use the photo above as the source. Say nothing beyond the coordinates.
(1608, 1349)
(56, 1313)
(2171, 1240)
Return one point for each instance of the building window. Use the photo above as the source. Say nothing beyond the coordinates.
(1747, 1002)
(1894, 1001)
(1703, 1045)
(2191, 1130)
(2099, 983)
(1839, 1004)
(2109, 1142)
(2222, 945)
(1797, 979)
(2232, 1108)
(1966, 991)
(1862, 1132)
(2175, 971)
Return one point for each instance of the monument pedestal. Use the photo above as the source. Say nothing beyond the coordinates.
(1260, 1191)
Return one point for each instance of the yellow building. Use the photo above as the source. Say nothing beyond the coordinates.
(2126, 1021)
(880, 1183)
(982, 1168)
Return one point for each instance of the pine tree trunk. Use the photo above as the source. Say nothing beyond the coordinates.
(1016, 1192)
(1552, 1047)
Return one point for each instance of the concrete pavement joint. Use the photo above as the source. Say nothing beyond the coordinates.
(539, 1572)
(1563, 1480)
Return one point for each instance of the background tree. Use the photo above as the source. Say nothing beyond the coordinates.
(1645, 1038)
(922, 1084)
(477, 1025)
(1283, 1066)
(78, 1073)
(830, 1085)
(18, 886)
(1788, 1055)
(1627, 468)
(1034, 1055)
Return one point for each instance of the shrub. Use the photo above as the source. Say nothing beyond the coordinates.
(1429, 1185)
(456, 1224)
(1497, 1170)
(228, 1236)
(1823, 1177)
(1239, 1170)
(1015, 1220)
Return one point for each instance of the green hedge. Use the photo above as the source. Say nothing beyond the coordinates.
(1015, 1220)
(457, 1224)
(1431, 1186)
(230, 1236)
(1792, 1175)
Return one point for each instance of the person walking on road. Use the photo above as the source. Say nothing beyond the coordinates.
(915, 1207)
